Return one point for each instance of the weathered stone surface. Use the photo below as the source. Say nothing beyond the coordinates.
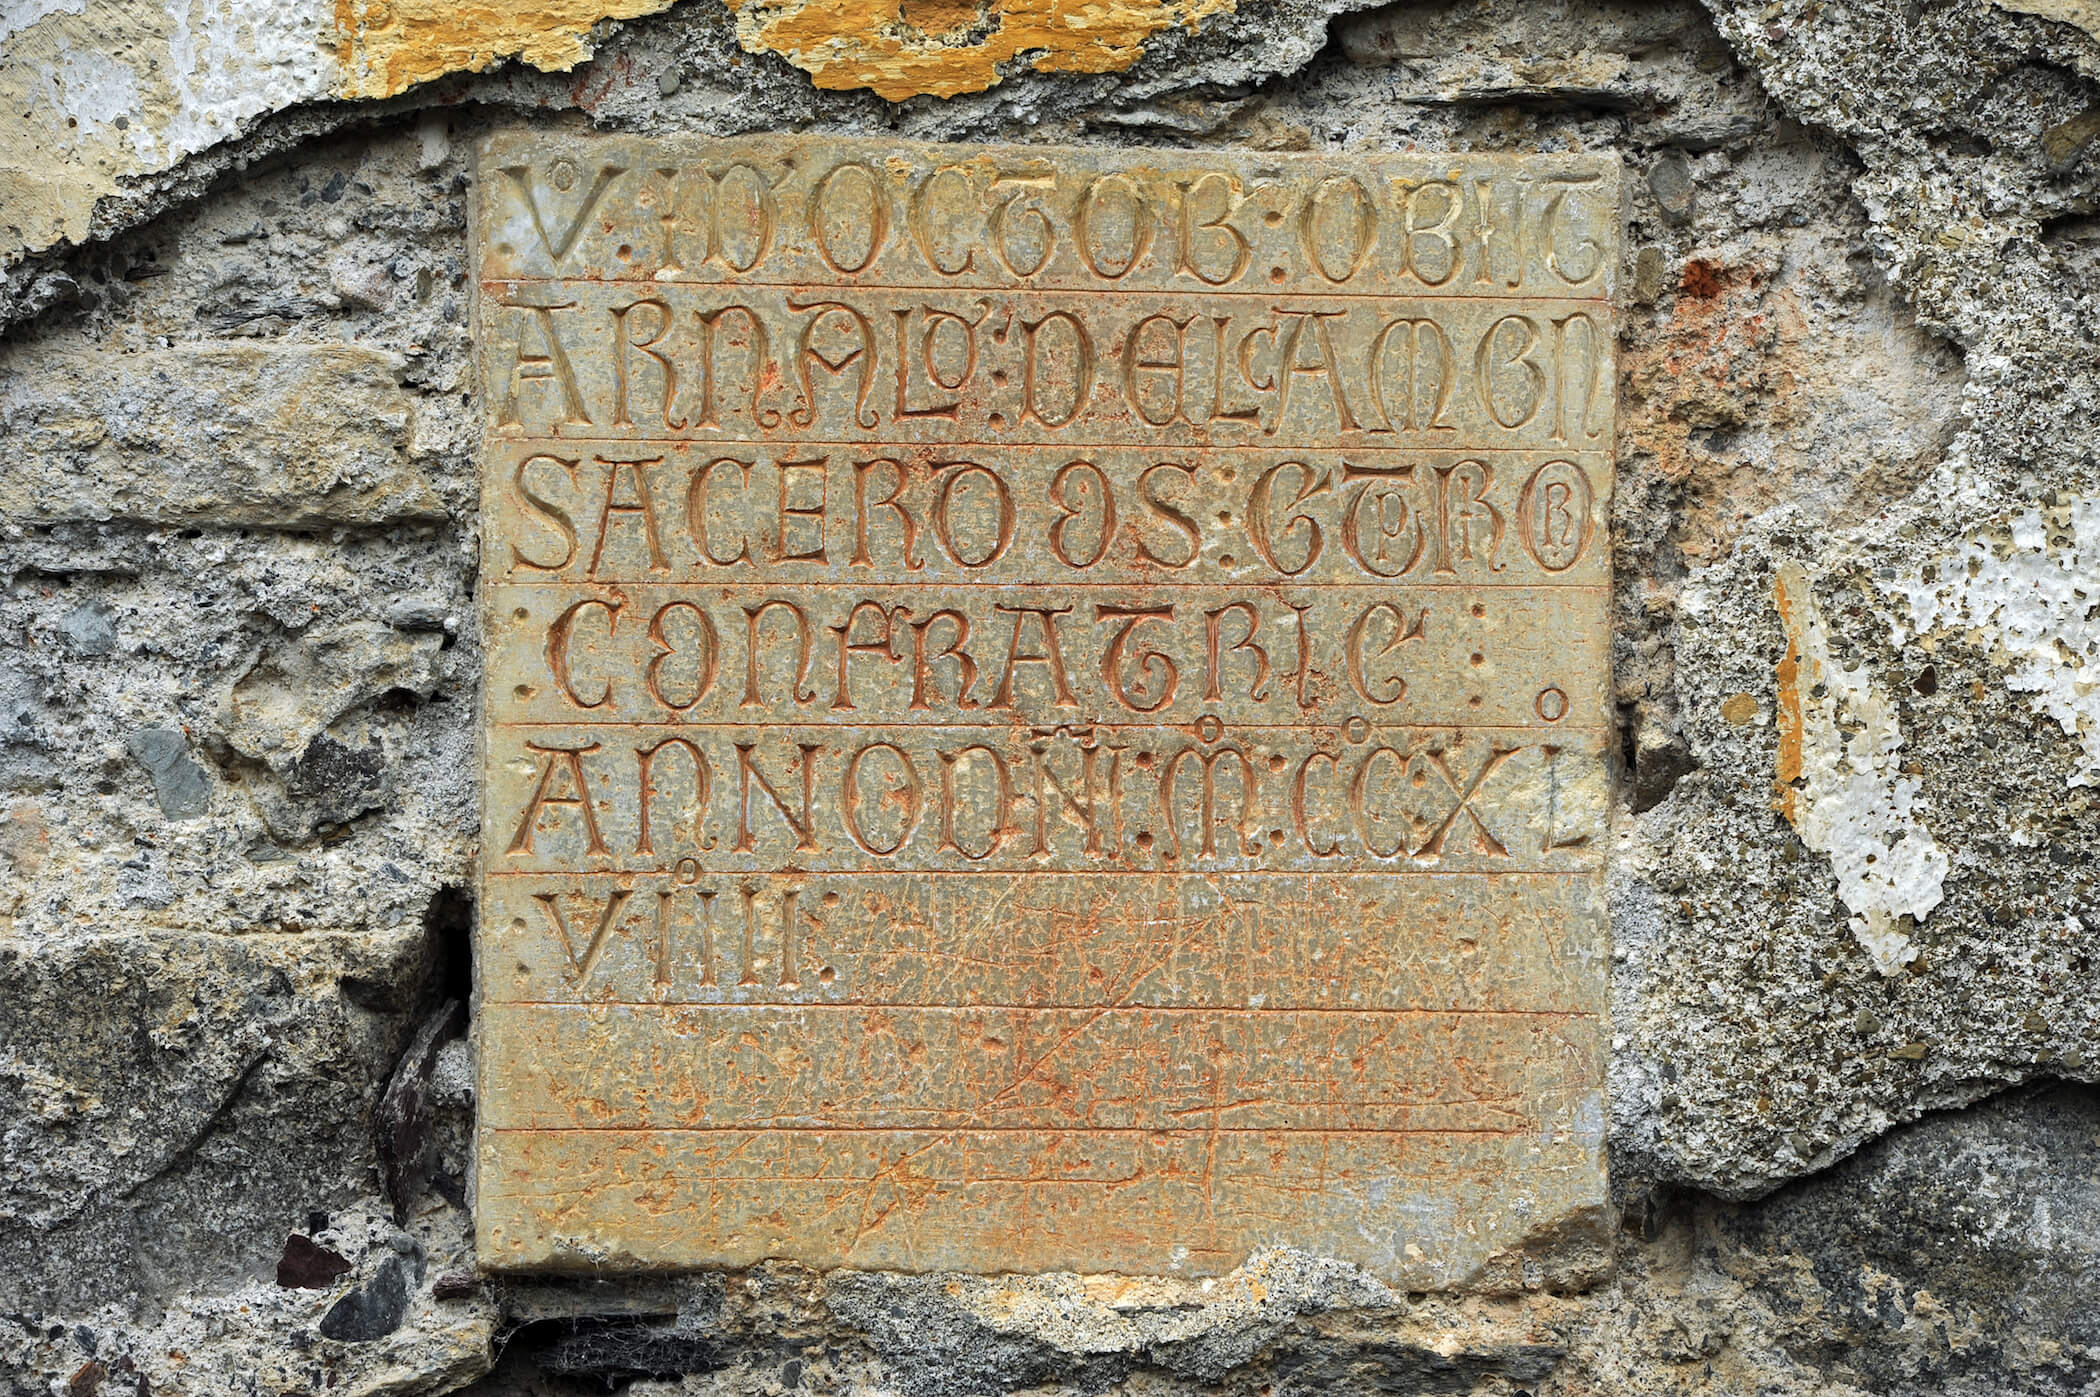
(93, 97)
(1214, 866)
(274, 436)
(1880, 680)
(1866, 347)
(179, 784)
(132, 107)
(1955, 1256)
(242, 1068)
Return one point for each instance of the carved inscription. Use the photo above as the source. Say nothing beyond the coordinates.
(1045, 709)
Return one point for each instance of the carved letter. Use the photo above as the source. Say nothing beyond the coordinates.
(696, 509)
(562, 175)
(1186, 261)
(1357, 236)
(1213, 623)
(883, 646)
(753, 617)
(761, 360)
(906, 793)
(922, 664)
(863, 508)
(552, 366)
(1553, 515)
(703, 788)
(790, 514)
(558, 648)
(1045, 232)
(943, 502)
(1454, 531)
(1003, 800)
(749, 775)
(644, 506)
(1549, 227)
(1298, 799)
(1261, 515)
(580, 965)
(1487, 359)
(928, 343)
(824, 227)
(1181, 522)
(710, 653)
(1173, 372)
(756, 223)
(1051, 657)
(1385, 489)
(569, 761)
(1403, 630)
(1084, 811)
(1157, 674)
(1105, 501)
(1289, 365)
(1080, 355)
(1090, 209)
(623, 341)
(1439, 231)
(1486, 230)
(923, 231)
(1434, 846)
(860, 334)
(1413, 333)
(1207, 814)
(560, 517)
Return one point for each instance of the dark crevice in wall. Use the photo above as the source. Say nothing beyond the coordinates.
(405, 1122)
(449, 922)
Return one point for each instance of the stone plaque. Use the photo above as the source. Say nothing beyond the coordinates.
(1046, 709)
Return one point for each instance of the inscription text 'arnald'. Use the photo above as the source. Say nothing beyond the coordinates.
(1045, 709)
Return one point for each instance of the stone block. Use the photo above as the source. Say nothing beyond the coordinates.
(1045, 710)
(252, 435)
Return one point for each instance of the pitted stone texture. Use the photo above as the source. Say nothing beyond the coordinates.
(1955, 1256)
(190, 96)
(243, 1070)
(276, 436)
(1771, 1033)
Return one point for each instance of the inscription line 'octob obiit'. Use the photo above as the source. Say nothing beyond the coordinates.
(1045, 709)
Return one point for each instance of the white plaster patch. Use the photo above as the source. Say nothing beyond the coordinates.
(230, 60)
(1849, 800)
(17, 15)
(89, 90)
(2030, 601)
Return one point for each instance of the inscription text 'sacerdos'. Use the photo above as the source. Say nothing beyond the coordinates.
(1045, 709)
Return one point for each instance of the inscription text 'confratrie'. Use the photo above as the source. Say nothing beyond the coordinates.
(1045, 709)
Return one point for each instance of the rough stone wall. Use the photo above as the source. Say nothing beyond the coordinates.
(1855, 540)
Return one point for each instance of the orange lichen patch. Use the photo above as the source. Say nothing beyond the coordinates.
(940, 16)
(943, 48)
(388, 46)
(1787, 672)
